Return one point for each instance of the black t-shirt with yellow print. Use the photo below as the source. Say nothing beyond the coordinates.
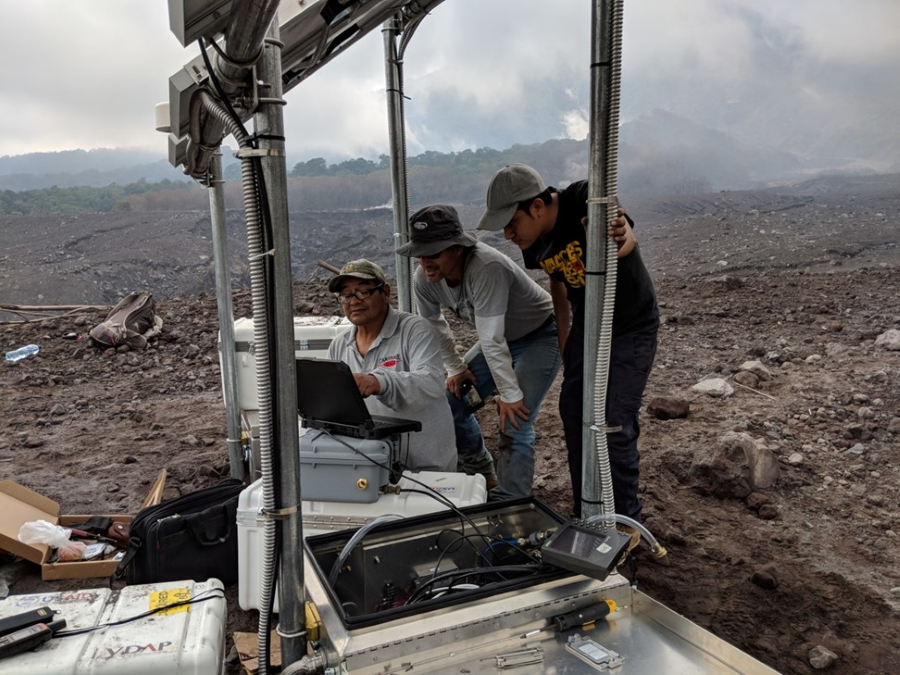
(561, 254)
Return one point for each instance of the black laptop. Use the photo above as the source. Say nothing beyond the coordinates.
(328, 399)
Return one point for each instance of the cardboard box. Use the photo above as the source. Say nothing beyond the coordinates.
(19, 505)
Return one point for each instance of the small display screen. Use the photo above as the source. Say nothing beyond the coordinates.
(593, 651)
(578, 542)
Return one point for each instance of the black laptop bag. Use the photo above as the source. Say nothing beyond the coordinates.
(191, 537)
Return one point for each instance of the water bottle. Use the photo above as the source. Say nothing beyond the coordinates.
(17, 355)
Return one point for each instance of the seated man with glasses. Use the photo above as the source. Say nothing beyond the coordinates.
(517, 353)
(396, 361)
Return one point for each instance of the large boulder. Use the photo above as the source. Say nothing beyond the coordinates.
(668, 408)
(889, 340)
(733, 467)
(714, 386)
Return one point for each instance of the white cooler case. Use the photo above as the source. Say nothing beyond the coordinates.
(319, 517)
(312, 337)
(181, 640)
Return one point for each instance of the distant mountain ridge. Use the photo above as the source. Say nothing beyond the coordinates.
(660, 153)
(91, 168)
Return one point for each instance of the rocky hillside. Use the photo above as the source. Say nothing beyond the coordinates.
(777, 499)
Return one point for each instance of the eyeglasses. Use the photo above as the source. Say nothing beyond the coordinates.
(359, 294)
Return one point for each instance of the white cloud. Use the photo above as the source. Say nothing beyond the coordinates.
(478, 72)
(670, 38)
(834, 31)
(576, 124)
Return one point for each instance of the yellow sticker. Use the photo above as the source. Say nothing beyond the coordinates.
(170, 597)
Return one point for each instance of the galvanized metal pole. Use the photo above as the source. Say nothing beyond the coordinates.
(393, 75)
(269, 121)
(216, 187)
(599, 280)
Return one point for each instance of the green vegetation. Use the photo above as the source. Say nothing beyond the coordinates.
(433, 176)
(83, 199)
(467, 161)
(314, 185)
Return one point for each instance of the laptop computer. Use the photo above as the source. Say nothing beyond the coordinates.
(328, 399)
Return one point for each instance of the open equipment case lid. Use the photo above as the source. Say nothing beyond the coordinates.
(400, 568)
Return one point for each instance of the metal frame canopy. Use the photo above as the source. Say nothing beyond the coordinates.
(252, 52)
(312, 33)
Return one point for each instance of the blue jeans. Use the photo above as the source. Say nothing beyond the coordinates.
(630, 360)
(536, 361)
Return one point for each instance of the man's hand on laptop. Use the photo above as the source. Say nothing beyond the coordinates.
(367, 383)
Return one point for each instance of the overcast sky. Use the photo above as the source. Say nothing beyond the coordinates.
(88, 73)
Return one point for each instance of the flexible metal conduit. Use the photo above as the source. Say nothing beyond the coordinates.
(261, 339)
(244, 37)
(606, 59)
(308, 665)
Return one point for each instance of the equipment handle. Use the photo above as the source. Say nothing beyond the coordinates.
(583, 616)
(212, 531)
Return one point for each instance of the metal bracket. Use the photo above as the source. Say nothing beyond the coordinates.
(606, 430)
(520, 657)
(280, 514)
(259, 152)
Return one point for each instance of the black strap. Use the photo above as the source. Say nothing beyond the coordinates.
(133, 545)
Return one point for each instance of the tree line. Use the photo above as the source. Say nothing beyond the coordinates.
(312, 184)
(84, 199)
(315, 185)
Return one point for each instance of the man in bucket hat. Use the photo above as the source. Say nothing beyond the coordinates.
(549, 225)
(396, 361)
(517, 353)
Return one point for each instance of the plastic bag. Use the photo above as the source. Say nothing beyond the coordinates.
(55, 536)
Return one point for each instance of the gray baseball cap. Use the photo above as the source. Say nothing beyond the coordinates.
(433, 229)
(510, 185)
(357, 269)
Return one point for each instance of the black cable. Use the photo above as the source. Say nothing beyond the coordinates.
(435, 495)
(446, 549)
(220, 90)
(507, 541)
(201, 597)
(267, 238)
(533, 568)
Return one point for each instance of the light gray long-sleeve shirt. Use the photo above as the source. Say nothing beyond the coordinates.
(499, 299)
(405, 359)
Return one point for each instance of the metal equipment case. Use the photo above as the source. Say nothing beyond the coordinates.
(182, 640)
(342, 469)
(482, 630)
(320, 517)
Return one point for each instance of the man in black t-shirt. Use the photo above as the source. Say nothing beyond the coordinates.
(549, 226)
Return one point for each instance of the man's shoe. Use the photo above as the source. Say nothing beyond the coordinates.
(490, 481)
(635, 535)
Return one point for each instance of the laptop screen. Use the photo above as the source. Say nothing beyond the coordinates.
(327, 392)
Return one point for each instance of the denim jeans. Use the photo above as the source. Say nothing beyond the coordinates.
(630, 360)
(536, 361)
